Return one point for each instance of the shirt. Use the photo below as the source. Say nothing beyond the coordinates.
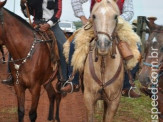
(127, 12)
(38, 8)
(47, 14)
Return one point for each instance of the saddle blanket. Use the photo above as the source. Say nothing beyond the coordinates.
(84, 35)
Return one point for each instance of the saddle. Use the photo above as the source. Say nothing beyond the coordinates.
(48, 36)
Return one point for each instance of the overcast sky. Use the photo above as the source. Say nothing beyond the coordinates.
(141, 8)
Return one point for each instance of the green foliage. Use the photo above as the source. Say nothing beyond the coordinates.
(78, 24)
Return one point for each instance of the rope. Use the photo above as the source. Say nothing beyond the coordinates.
(28, 14)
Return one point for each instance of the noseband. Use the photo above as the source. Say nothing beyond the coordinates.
(111, 37)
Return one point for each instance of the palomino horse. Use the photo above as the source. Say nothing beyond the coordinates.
(151, 74)
(103, 78)
(31, 64)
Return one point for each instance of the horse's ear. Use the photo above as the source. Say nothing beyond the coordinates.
(2, 3)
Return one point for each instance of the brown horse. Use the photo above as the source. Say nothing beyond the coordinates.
(103, 75)
(151, 74)
(31, 64)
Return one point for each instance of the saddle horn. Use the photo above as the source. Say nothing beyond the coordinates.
(2, 3)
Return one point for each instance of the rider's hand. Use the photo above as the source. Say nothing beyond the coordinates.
(84, 20)
(44, 27)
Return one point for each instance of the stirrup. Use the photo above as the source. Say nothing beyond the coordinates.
(133, 89)
(69, 82)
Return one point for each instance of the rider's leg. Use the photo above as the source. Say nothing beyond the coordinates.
(9, 80)
(127, 85)
(75, 80)
(60, 41)
(126, 88)
(70, 67)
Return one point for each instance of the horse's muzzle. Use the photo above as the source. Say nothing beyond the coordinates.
(103, 47)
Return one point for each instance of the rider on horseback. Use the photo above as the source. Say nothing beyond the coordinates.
(126, 9)
(47, 13)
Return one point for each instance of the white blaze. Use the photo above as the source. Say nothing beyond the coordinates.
(103, 11)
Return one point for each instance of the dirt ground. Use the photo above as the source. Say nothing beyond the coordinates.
(72, 107)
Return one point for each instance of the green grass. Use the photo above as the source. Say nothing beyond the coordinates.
(11, 110)
(137, 110)
(8, 114)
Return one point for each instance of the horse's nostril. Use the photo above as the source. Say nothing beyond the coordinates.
(107, 43)
(98, 42)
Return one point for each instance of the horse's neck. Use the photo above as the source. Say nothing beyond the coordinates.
(19, 38)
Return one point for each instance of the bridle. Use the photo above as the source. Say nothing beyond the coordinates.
(111, 37)
(159, 67)
(161, 63)
(101, 82)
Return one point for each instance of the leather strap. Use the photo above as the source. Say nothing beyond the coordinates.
(115, 76)
(51, 77)
(92, 70)
(100, 32)
(131, 81)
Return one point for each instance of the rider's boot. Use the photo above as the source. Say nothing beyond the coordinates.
(130, 93)
(70, 88)
(8, 81)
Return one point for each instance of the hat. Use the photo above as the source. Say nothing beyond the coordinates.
(151, 17)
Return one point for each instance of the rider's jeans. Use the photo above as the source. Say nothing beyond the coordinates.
(70, 68)
(60, 41)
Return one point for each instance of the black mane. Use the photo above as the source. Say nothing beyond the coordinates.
(20, 19)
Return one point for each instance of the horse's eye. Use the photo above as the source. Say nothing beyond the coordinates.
(94, 17)
(116, 16)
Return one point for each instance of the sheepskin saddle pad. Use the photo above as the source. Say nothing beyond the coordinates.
(82, 37)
